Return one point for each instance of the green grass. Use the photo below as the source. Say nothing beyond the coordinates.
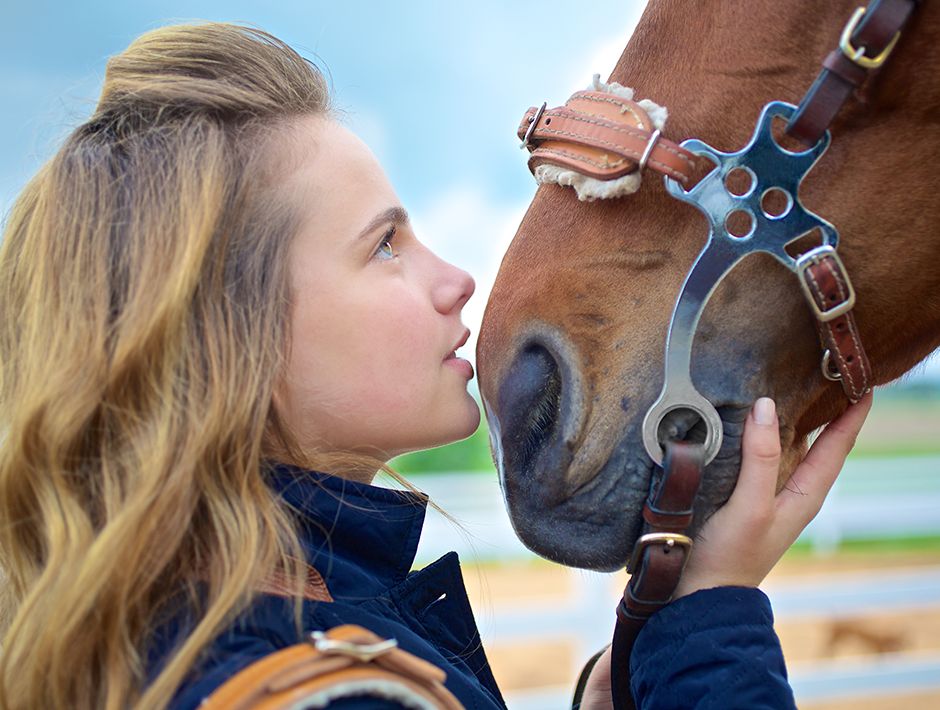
(926, 543)
(471, 454)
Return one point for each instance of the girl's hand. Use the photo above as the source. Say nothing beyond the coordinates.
(746, 537)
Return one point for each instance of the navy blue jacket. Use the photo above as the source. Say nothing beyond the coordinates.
(713, 650)
(362, 539)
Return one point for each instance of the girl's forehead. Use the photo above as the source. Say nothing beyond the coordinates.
(338, 183)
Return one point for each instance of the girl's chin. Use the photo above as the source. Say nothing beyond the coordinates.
(463, 426)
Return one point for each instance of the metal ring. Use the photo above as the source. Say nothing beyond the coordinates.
(827, 368)
(681, 400)
(364, 652)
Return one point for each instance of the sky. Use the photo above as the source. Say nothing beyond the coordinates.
(436, 89)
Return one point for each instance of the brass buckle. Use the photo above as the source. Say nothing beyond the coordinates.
(669, 540)
(364, 652)
(857, 55)
(811, 258)
(532, 123)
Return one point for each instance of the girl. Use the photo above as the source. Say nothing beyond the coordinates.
(217, 326)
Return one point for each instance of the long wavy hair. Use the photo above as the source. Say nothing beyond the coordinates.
(144, 310)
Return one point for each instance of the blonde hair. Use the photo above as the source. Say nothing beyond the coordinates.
(144, 303)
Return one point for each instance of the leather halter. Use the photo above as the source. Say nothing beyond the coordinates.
(606, 146)
(603, 136)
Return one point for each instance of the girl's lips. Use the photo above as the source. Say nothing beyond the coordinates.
(461, 365)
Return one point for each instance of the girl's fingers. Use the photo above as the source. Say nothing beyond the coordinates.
(815, 475)
(760, 462)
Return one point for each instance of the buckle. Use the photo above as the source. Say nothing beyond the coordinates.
(668, 540)
(816, 256)
(648, 151)
(857, 55)
(364, 652)
(532, 123)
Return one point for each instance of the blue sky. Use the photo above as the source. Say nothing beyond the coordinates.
(435, 88)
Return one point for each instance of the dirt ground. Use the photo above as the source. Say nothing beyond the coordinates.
(543, 663)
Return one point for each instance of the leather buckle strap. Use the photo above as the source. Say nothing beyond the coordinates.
(829, 291)
(867, 41)
(658, 559)
(834, 302)
(345, 662)
(669, 542)
(857, 54)
(603, 136)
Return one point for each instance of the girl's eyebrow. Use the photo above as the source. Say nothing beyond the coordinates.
(395, 215)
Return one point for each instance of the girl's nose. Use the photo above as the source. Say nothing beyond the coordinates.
(453, 289)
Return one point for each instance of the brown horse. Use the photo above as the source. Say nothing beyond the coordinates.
(570, 354)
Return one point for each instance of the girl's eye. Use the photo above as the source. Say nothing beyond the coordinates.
(386, 250)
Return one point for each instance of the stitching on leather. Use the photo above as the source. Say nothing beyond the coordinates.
(606, 100)
(671, 171)
(573, 156)
(856, 340)
(571, 115)
(843, 296)
(668, 169)
(827, 327)
(844, 369)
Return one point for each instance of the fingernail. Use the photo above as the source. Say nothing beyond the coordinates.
(764, 411)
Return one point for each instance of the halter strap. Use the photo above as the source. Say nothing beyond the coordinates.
(659, 557)
(867, 41)
(831, 297)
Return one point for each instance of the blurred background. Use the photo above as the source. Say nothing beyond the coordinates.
(857, 600)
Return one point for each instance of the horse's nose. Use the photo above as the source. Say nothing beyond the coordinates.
(539, 412)
(529, 401)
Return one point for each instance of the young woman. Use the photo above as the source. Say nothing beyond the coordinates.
(217, 326)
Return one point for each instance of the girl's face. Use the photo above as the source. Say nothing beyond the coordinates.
(375, 315)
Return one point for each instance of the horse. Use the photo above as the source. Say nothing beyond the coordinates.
(570, 355)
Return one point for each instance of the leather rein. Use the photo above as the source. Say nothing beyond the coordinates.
(604, 136)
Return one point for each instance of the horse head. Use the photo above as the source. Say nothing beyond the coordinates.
(571, 351)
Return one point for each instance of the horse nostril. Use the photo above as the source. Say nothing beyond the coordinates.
(529, 403)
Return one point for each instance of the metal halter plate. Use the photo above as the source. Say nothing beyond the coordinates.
(770, 167)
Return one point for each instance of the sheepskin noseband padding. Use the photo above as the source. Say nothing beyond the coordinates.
(589, 188)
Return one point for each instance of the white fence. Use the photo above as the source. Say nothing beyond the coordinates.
(874, 498)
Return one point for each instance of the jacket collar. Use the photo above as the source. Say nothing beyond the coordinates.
(362, 539)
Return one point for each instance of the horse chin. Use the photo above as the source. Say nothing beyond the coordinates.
(596, 525)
